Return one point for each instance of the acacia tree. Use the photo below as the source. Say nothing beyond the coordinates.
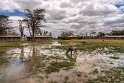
(67, 33)
(33, 20)
(92, 33)
(3, 24)
(117, 32)
(101, 34)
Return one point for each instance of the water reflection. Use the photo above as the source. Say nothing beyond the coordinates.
(22, 54)
(3, 59)
(45, 64)
(34, 61)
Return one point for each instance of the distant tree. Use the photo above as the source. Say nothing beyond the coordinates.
(4, 24)
(21, 28)
(38, 31)
(101, 34)
(64, 34)
(45, 32)
(117, 32)
(33, 20)
(86, 35)
(50, 34)
(92, 33)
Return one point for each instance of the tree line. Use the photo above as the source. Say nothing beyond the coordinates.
(65, 35)
(32, 21)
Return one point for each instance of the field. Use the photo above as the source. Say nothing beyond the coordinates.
(92, 44)
(96, 61)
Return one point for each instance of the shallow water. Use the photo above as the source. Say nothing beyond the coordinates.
(46, 64)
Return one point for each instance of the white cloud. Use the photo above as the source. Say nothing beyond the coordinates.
(98, 9)
(14, 21)
(76, 15)
(16, 18)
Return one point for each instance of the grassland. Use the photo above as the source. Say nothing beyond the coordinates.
(115, 75)
(92, 44)
(84, 44)
(15, 44)
(9, 44)
(3, 59)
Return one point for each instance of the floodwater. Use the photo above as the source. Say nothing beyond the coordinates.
(47, 64)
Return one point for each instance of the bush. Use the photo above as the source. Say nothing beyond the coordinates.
(23, 39)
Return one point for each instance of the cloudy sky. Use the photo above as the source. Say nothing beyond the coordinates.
(79, 16)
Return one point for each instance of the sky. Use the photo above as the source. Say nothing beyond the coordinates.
(79, 16)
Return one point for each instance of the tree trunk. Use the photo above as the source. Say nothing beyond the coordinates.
(33, 38)
(33, 32)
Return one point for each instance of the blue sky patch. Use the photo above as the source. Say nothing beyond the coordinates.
(15, 13)
(119, 4)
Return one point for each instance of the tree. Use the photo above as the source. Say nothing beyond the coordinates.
(50, 34)
(117, 32)
(101, 34)
(69, 33)
(3, 24)
(64, 35)
(33, 20)
(21, 28)
(92, 33)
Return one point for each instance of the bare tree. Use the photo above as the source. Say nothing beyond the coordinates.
(21, 28)
(50, 34)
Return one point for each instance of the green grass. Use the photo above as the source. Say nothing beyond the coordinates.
(52, 82)
(21, 42)
(10, 44)
(56, 66)
(83, 44)
(3, 59)
(110, 76)
(93, 44)
(114, 57)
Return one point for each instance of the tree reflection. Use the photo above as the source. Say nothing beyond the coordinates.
(37, 63)
(22, 54)
(3, 58)
(34, 62)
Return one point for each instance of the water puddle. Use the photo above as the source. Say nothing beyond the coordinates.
(46, 64)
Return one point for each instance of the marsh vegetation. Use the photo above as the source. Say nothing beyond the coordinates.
(96, 61)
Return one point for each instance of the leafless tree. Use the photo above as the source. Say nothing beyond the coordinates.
(21, 28)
